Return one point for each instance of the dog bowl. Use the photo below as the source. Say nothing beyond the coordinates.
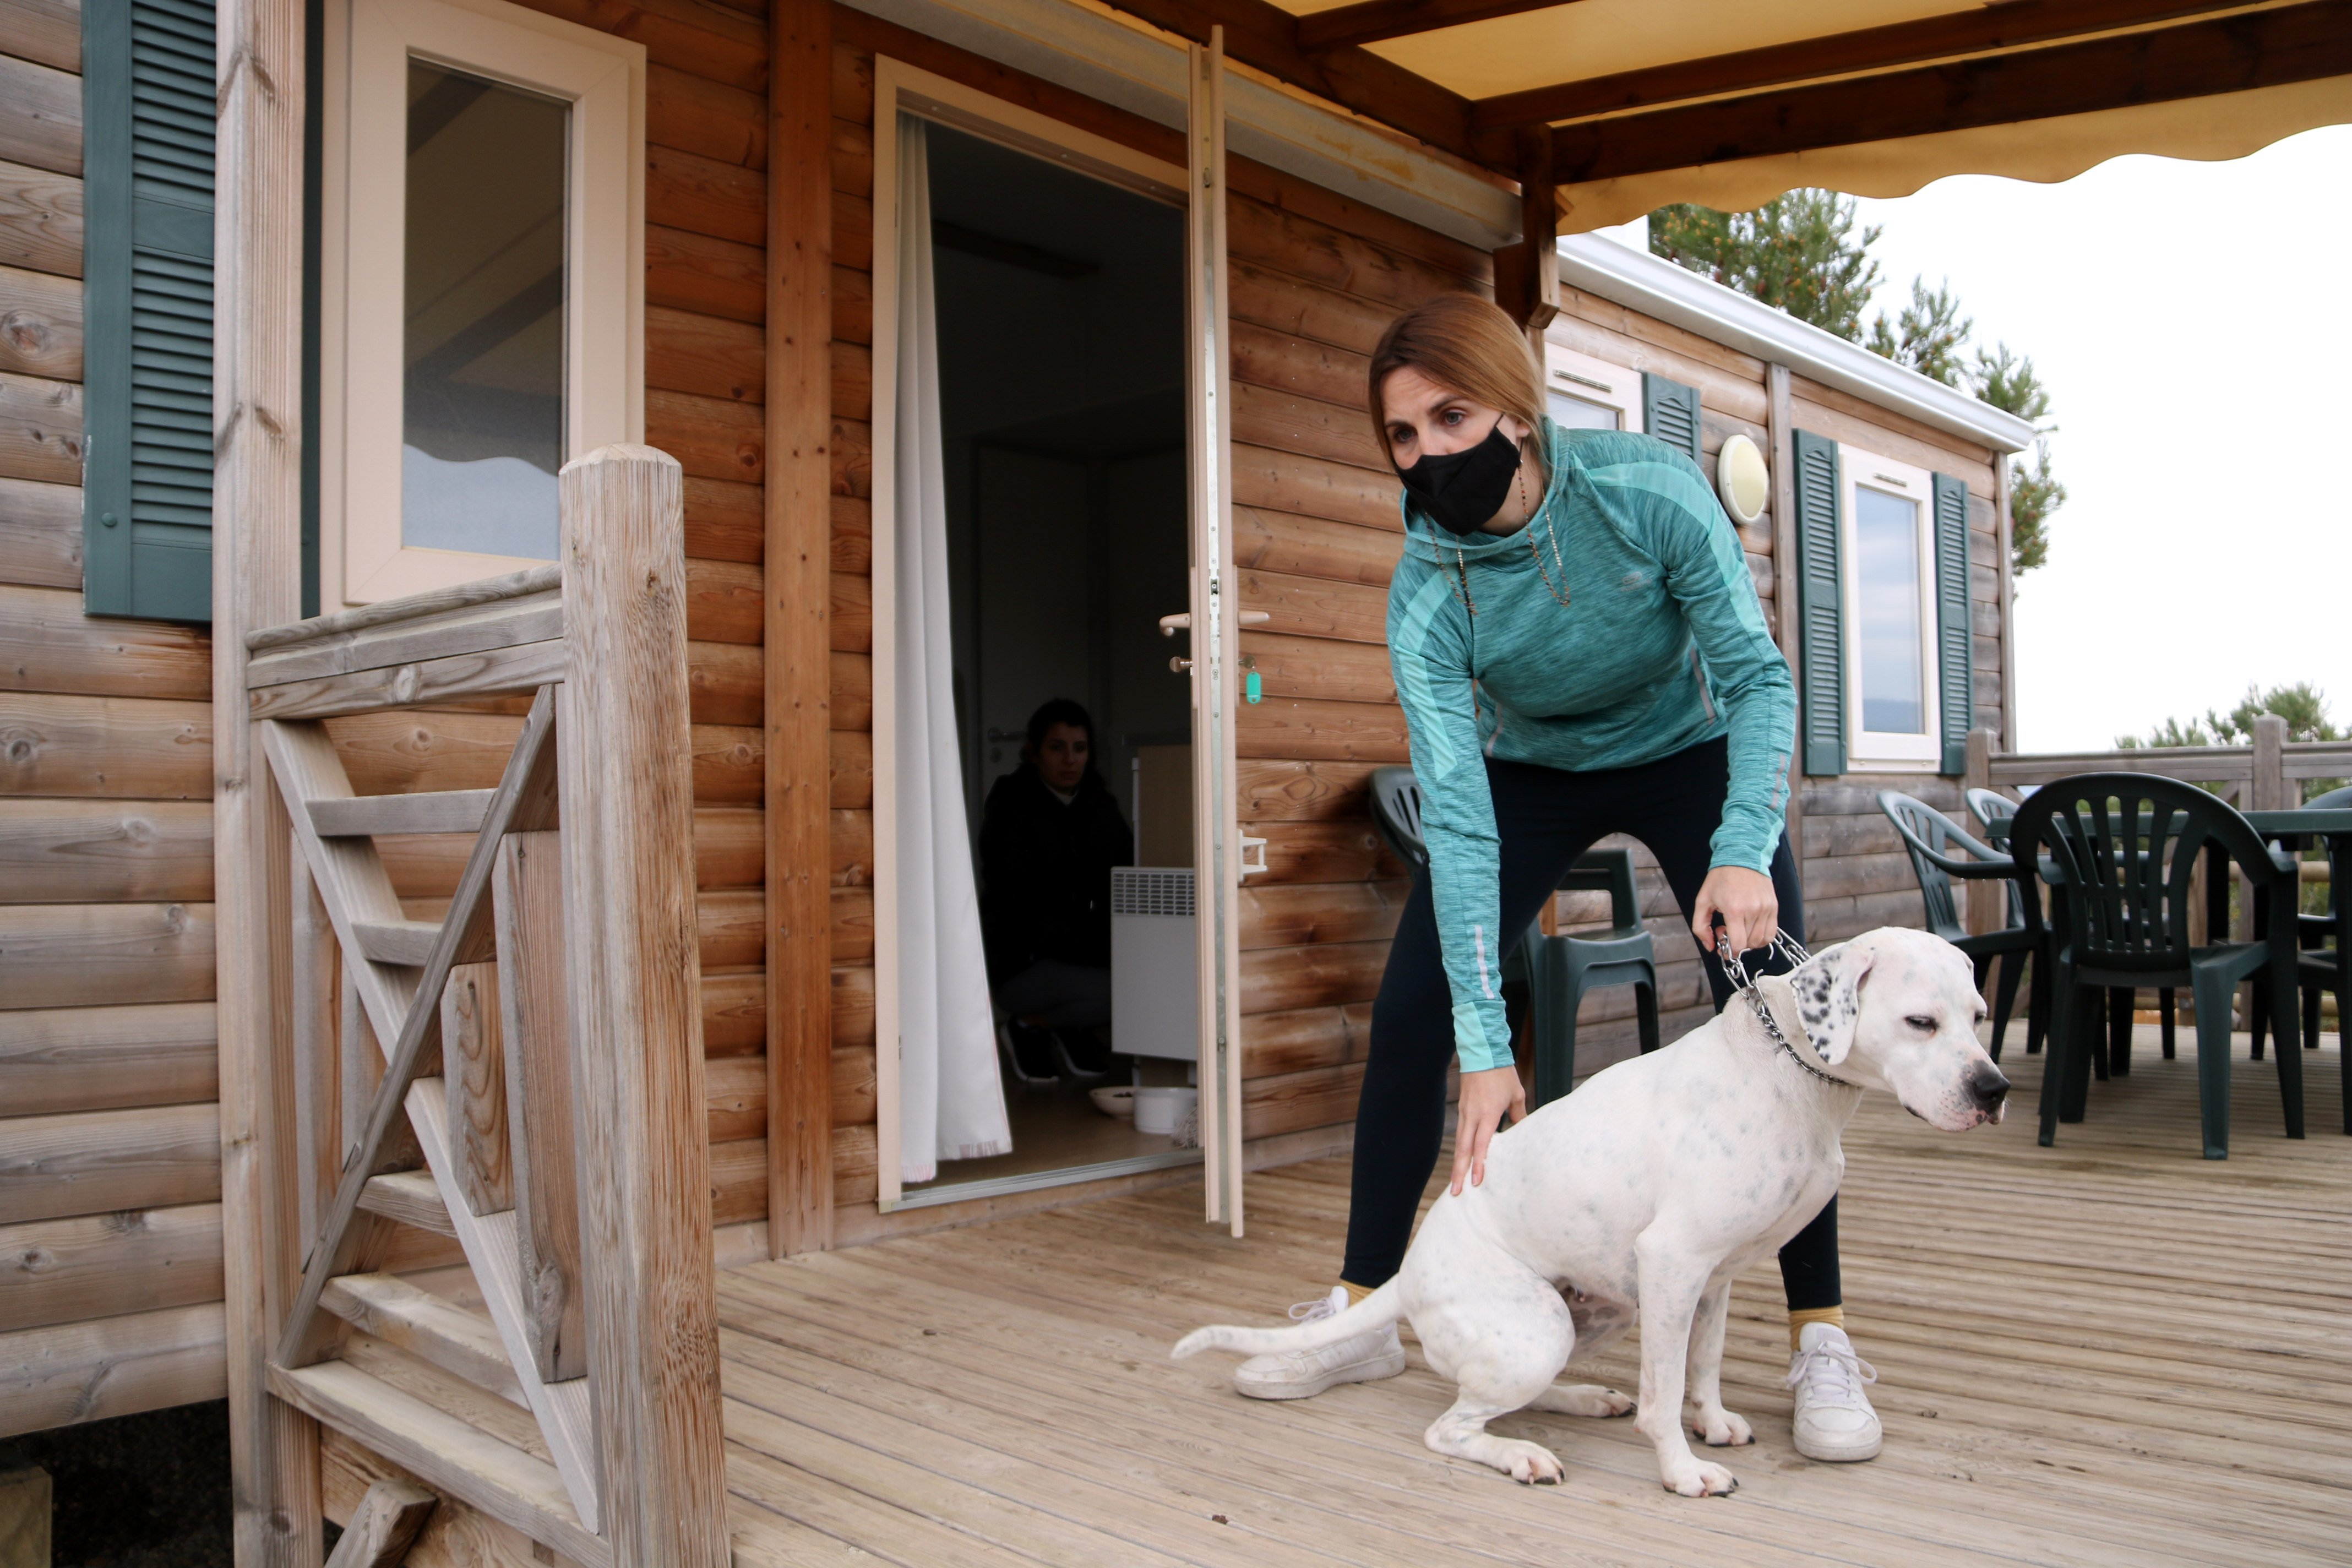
(1118, 1101)
(1159, 1109)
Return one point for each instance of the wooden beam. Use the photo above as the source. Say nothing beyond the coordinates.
(410, 1197)
(1979, 30)
(627, 787)
(797, 656)
(474, 1075)
(462, 1342)
(436, 811)
(1265, 36)
(1527, 275)
(2231, 54)
(1369, 21)
(257, 439)
(383, 1527)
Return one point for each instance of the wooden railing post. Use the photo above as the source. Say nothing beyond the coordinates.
(627, 795)
(2268, 791)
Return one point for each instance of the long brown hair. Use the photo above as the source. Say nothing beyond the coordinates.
(1466, 345)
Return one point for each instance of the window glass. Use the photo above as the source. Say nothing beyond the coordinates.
(1578, 414)
(482, 400)
(1886, 539)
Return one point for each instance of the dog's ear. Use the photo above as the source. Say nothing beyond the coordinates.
(1828, 998)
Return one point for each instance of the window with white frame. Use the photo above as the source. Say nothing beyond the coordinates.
(1890, 583)
(482, 299)
(1586, 393)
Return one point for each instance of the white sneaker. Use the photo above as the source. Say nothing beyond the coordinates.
(1834, 1421)
(1302, 1375)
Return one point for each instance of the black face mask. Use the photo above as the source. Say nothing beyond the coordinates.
(1463, 489)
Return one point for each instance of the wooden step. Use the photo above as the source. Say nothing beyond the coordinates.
(461, 1342)
(411, 1198)
(519, 1490)
(397, 942)
(438, 811)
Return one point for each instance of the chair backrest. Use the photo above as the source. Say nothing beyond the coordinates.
(1988, 807)
(2124, 847)
(1607, 871)
(2334, 800)
(1929, 836)
(1396, 814)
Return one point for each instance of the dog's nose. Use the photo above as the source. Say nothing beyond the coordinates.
(1988, 1088)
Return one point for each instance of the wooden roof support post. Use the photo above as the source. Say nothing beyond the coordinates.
(635, 977)
(257, 582)
(1527, 275)
(798, 660)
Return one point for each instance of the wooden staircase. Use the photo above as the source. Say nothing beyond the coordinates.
(445, 1081)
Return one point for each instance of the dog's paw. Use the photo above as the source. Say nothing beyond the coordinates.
(1583, 1399)
(1720, 1428)
(1530, 1464)
(1696, 1478)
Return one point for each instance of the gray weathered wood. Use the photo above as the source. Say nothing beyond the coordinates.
(403, 941)
(523, 793)
(383, 1527)
(636, 1020)
(412, 1198)
(457, 1340)
(2271, 791)
(320, 629)
(318, 1152)
(485, 674)
(473, 1061)
(535, 1013)
(438, 811)
(477, 629)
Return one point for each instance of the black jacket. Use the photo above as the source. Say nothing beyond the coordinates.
(1045, 872)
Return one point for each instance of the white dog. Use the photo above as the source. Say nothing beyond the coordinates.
(1645, 1192)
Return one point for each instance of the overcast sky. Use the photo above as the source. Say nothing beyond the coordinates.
(2193, 322)
(2194, 326)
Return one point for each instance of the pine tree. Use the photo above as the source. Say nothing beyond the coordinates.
(2007, 382)
(1928, 335)
(1797, 253)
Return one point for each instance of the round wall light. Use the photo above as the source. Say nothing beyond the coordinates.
(1742, 480)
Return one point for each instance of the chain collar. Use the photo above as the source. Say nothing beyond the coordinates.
(1794, 950)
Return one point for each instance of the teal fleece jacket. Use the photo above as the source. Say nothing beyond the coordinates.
(1662, 646)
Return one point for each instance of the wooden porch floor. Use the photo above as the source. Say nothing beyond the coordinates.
(2109, 1352)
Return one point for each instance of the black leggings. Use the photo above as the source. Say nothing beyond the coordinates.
(1546, 819)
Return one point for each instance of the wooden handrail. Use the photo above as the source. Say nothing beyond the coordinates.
(412, 607)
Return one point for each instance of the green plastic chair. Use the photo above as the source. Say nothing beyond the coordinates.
(1990, 807)
(1932, 837)
(2325, 940)
(2121, 848)
(1556, 971)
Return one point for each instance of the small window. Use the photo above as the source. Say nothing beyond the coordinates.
(1890, 583)
(482, 299)
(1587, 393)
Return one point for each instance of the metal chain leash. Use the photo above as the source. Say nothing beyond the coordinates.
(1794, 951)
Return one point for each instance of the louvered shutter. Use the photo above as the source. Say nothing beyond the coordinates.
(1955, 638)
(1670, 411)
(148, 112)
(1820, 607)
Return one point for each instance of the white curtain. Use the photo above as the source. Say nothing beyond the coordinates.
(950, 1097)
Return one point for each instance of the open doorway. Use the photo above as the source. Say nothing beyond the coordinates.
(1062, 410)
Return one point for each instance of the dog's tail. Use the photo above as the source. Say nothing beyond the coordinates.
(1376, 1310)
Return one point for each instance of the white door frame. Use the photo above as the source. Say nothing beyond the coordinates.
(900, 88)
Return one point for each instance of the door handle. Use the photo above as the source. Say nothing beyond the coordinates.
(1170, 625)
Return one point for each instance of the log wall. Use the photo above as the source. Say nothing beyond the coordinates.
(110, 1143)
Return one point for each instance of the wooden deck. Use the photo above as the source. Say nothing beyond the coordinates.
(2109, 1352)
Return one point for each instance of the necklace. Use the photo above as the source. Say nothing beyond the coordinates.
(1794, 950)
(1462, 559)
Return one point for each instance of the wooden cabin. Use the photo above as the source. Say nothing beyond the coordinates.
(346, 746)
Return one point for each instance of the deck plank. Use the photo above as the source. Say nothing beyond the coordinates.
(2111, 1350)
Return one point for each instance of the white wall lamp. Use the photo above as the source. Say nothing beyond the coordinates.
(1743, 479)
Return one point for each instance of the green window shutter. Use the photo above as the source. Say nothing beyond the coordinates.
(1670, 411)
(148, 115)
(1820, 607)
(1955, 639)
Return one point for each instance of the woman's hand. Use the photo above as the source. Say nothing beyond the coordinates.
(1486, 1097)
(1751, 913)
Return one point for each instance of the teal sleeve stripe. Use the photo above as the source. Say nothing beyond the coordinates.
(1690, 494)
(1407, 660)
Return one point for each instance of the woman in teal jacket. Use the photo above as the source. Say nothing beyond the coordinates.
(1580, 652)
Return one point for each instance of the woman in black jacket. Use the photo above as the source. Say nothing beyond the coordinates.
(1049, 837)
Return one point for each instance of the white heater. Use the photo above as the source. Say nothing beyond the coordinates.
(1155, 1002)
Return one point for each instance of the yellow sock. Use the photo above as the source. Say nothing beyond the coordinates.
(1355, 1292)
(1796, 1321)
